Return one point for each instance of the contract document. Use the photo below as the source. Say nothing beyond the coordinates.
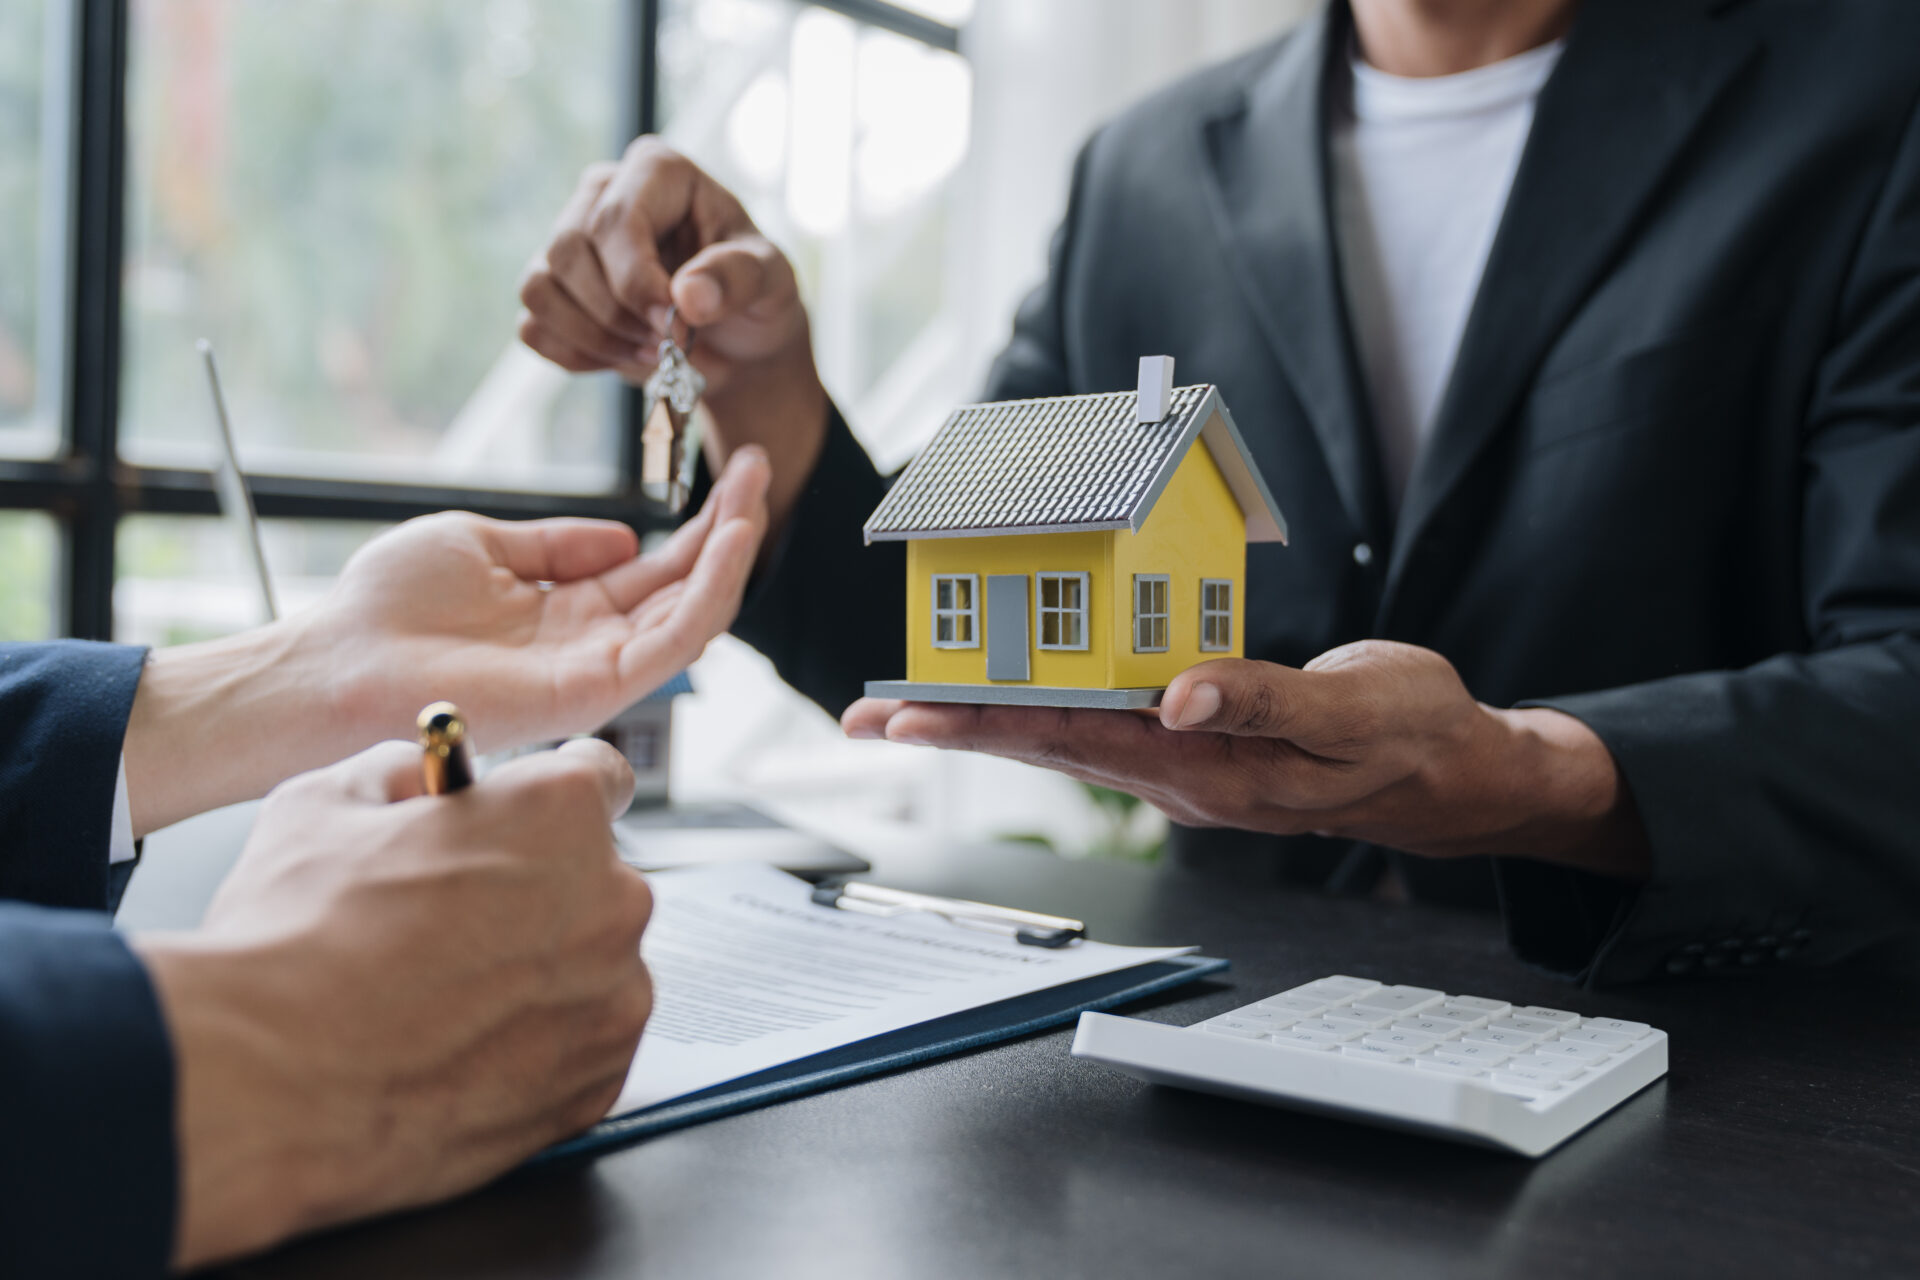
(750, 973)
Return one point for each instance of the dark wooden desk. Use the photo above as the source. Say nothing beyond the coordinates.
(1785, 1141)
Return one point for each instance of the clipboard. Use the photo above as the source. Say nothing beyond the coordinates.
(908, 1046)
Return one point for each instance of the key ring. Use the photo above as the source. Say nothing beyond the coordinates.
(673, 313)
(674, 377)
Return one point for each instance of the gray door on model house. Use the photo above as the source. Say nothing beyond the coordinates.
(1007, 626)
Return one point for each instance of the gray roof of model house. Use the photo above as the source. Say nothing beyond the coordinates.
(1066, 464)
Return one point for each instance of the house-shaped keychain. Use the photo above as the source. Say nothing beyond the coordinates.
(1075, 551)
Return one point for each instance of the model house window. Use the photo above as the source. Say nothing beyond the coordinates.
(956, 611)
(1216, 614)
(1149, 613)
(1063, 609)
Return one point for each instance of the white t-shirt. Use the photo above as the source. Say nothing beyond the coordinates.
(1420, 170)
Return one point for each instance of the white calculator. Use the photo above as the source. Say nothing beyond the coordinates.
(1522, 1078)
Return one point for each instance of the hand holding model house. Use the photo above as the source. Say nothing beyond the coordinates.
(1075, 555)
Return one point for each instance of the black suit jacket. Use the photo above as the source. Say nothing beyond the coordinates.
(87, 1174)
(1674, 486)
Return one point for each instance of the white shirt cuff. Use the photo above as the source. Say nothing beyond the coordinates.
(120, 847)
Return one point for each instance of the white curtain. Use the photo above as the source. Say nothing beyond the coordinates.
(1046, 74)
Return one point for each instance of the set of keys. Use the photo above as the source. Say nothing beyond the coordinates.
(666, 464)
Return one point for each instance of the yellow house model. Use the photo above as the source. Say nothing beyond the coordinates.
(1076, 551)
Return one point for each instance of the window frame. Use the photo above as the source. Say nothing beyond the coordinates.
(1083, 612)
(1162, 615)
(87, 487)
(1225, 615)
(971, 613)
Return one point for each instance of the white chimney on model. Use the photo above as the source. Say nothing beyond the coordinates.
(1156, 387)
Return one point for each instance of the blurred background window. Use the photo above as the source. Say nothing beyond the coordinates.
(847, 143)
(184, 578)
(342, 195)
(29, 552)
(32, 226)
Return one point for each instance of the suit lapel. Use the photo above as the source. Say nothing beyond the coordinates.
(1266, 152)
(1637, 78)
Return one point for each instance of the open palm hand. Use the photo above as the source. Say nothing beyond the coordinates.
(537, 629)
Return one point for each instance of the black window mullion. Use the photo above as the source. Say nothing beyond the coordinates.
(93, 313)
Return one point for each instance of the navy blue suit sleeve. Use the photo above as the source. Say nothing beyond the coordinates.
(87, 1167)
(63, 718)
(87, 1164)
(828, 610)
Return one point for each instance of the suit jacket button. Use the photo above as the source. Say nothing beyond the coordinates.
(1362, 554)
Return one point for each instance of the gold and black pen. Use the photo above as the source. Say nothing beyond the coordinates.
(443, 749)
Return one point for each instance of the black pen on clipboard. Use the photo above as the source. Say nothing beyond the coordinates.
(1030, 928)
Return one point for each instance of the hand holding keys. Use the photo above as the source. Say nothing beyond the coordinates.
(671, 394)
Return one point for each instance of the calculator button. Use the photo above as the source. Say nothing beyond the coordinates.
(1299, 1040)
(1348, 1016)
(1560, 1016)
(1333, 1032)
(1532, 1026)
(1398, 999)
(1477, 1055)
(1453, 1019)
(1479, 1052)
(1232, 1027)
(1511, 1041)
(1438, 1028)
(1299, 1006)
(1348, 984)
(1401, 1041)
(1481, 1005)
(1338, 987)
(1637, 1030)
(1471, 1017)
(1465, 1070)
(1269, 1018)
(1562, 1068)
(1575, 1050)
(1593, 1035)
(1377, 1052)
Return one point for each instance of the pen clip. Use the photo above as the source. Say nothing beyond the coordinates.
(1029, 928)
